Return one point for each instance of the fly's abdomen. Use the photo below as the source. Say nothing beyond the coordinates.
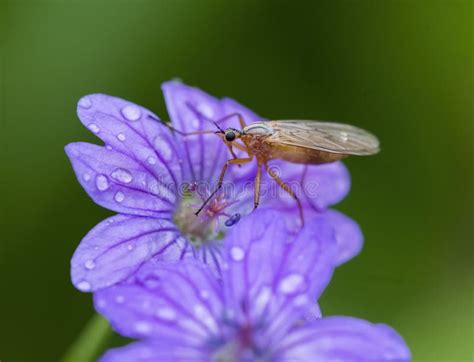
(303, 155)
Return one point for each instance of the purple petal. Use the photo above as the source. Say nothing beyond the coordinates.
(348, 235)
(165, 350)
(343, 339)
(317, 186)
(275, 273)
(135, 132)
(118, 246)
(320, 185)
(192, 110)
(120, 183)
(181, 301)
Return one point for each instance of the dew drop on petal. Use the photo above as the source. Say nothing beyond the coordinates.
(129, 247)
(119, 196)
(291, 283)
(86, 177)
(120, 299)
(131, 112)
(166, 313)
(163, 147)
(85, 102)
(151, 160)
(236, 253)
(203, 315)
(195, 123)
(122, 175)
(121, 137)
(89, 264)
(301, 300)
(101, 182)
(206, 110)
(84, 286)
(262, 299)
(142, 327)
(108, 148)
(93, 127)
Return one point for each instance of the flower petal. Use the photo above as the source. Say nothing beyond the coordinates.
(192, 110)
(118, 246)
(276, 273)
(347, 232)
(119, 183)
(165, 350)
(166, 300)
(343, 339)
(135, 132)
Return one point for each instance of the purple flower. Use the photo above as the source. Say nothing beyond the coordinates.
(271, 279)
(156, 179)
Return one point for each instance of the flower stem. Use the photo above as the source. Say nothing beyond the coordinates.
(90, 341)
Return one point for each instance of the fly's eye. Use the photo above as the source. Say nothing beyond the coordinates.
(229, 136)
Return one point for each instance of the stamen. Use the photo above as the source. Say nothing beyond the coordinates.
(231, 221)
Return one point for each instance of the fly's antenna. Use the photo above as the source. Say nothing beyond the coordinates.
(220, 129)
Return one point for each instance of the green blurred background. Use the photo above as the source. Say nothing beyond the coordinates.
(402, 69)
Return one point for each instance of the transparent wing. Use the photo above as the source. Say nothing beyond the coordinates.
(324, 136)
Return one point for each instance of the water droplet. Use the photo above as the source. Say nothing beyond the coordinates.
(94, 128)
(203, 315)
(101, 182)
(84, 286)
(301, 300)
(129, 247)
(108, 148)
(85, 102)
(89, 264)
(234, 219)
(131, 112)
(86, 177)
(262, 299)
(143, 327)
(120, 299)
(291, 283)
(119, 196)
(163, 147)
(237, 253)
(195, 123)
(166, 313)
(206, 110)
(121, 137)
(122, 175)
(151, 160)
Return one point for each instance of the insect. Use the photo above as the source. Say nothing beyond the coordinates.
(297, 141)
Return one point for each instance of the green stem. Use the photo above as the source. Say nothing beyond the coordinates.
(90, 342)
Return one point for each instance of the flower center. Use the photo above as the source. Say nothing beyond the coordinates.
(240, 347)
(207, 226)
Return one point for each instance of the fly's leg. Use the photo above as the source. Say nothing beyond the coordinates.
(236, 161)
(287, 188)
(258, 182)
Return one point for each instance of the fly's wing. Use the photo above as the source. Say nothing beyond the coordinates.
(324, 136)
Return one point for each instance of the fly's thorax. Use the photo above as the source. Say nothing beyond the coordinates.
(259, 129)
